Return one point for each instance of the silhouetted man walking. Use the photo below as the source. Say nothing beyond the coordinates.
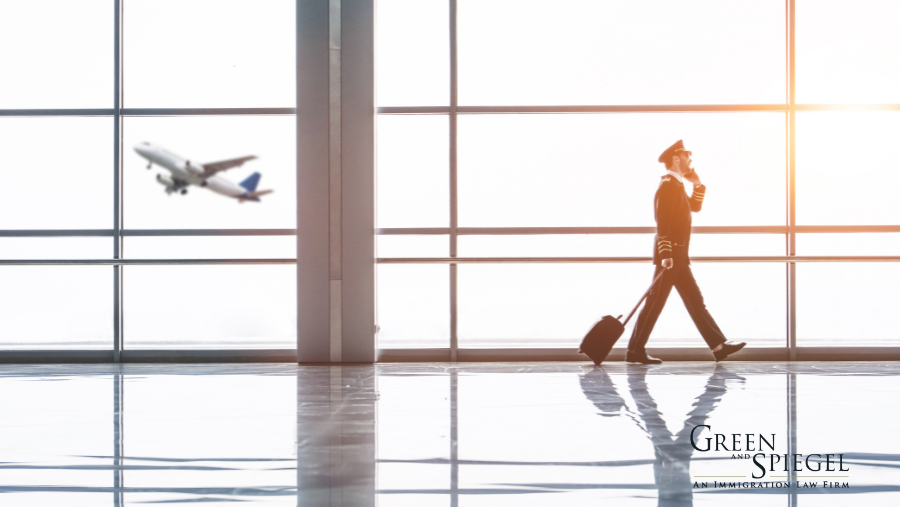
(672, 208)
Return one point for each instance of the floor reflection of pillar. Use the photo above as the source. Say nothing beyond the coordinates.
(454, 438)
(336, 436)
(118, 440)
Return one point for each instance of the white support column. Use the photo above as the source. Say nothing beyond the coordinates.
(358, 181)
(335, 181)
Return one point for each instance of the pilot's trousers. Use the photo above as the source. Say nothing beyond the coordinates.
(682, 278)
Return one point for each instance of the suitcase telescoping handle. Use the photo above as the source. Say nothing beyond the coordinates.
(661, 273)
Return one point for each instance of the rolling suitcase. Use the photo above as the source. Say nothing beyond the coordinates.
(606, 332)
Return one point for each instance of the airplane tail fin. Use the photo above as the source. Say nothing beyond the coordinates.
(251, 182)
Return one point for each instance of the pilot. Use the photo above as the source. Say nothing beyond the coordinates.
(672, 208)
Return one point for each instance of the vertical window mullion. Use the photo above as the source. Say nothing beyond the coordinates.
(454, 339)
(118, 339)
(791, 186)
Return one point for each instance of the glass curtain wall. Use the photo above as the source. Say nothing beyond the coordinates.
(102, 248)
(517, 162)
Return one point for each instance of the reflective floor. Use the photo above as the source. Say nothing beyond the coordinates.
(472, 434)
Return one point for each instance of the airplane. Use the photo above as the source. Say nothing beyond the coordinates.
(184, 173)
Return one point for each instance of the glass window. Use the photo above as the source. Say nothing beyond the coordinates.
(847, 52)
(601, 169)
(614, 245)
(55, 248)
(844, 303)
(571, 52)
(58, 172)
(56, 307)
(190, 424)
(556, 245)
(849, 244)
(209, 53)
(413, 246)
(412, 45)
(413, 173)
(554, 305)
(201, 141)
(736, 245)
(413, 306)
(210, 307)
(56, 54)
(210, 247)
(846, 168)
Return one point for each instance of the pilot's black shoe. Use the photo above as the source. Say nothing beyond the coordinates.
(641, 357)
(727, 349)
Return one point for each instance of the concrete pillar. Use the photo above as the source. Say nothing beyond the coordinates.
(335, 181)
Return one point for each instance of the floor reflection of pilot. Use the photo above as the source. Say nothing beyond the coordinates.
(671, 469)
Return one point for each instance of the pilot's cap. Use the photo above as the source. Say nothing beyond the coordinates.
(671, 150)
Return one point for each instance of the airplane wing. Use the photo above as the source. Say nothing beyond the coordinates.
(214, 167)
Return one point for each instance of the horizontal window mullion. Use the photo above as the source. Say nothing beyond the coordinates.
(137, 262)
(130, 111)
(152, 111)
(597, 260)
(209, 232)
(490, 231)
(659, 108)
(846, 228)
(724, 229)
(45, 233)
(57, 112)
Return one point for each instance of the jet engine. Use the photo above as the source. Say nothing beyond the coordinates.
(165, 180)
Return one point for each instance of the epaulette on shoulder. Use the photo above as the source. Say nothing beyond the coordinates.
(666, 179)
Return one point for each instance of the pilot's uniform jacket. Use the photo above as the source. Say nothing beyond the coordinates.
(672, 209)
(673, 237)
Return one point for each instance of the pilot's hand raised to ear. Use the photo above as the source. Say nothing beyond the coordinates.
(668, 263)
(693, 177)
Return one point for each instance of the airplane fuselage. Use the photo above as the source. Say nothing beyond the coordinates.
(184, 173)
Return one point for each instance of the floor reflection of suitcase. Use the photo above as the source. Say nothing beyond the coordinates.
(606, 332)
